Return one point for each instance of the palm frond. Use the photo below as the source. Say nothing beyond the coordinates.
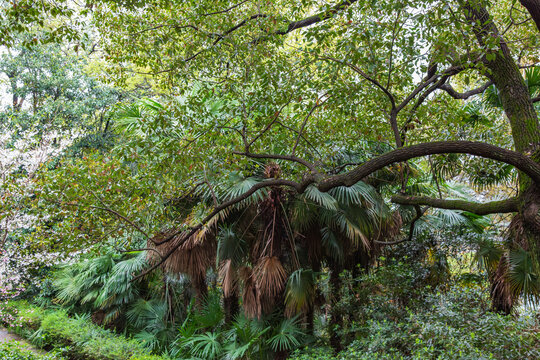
(522, 276)
(300, 291)
(532, 78)
(287, 335)
(227, 273)
(303, 213)
(231, 246)
(332, 245)
(205, 346)
(324, 200)
(270, 276)
(488, 255)
(237, 185)
(359, 194)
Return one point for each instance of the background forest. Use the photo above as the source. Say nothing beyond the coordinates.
(270, 179)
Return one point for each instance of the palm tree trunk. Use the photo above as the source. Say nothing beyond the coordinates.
(502, 298)
(231, 307)
(201, 289)
(336, 320)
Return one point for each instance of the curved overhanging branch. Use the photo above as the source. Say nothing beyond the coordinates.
(492, 207)
(518, 160)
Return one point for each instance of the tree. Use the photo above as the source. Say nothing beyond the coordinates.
(301, 81)
(349, 50)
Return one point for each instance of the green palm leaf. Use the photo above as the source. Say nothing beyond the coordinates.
(300, 290)
(287, 336)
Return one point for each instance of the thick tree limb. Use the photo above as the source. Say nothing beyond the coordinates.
(533, 7)
(493, 207)
(520, 161)
(463, 96)
(321, 16)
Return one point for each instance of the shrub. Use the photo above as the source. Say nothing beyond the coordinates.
(451, 325)
(78, 335)
(15, 350)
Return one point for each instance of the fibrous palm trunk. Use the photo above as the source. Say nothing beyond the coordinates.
(336, 320)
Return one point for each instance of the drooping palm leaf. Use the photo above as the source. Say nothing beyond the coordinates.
(522, 275)
(300, 291)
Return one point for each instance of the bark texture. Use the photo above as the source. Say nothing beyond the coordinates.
(520, 161)
(533, 7)
(493, 207)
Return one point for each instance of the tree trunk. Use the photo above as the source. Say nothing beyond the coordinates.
(201, 289)
(533, 7)
(519, 109)
(231, 307)
(336, 320)
(502, 298)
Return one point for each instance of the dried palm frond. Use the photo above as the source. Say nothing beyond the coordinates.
(517, 232)
(388, 230)
(502, 296)
(270, 276)
(229, 278)
(193, 257)
(250, 296)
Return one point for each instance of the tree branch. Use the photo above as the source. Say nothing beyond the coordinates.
(292, 158)
(492, 207)
(321, 16)
(533, 7)
(419, 213)
(318, 103)
(518, 160)
(300, 188)
(117, 214)
(462, 96)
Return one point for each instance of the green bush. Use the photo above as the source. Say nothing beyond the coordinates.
(451, 325)
(80, 338)
(15, 350)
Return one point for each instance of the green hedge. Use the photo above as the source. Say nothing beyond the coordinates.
(77, 337)
(15, 350)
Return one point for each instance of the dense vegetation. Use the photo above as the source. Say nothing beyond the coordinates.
(270, 179)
